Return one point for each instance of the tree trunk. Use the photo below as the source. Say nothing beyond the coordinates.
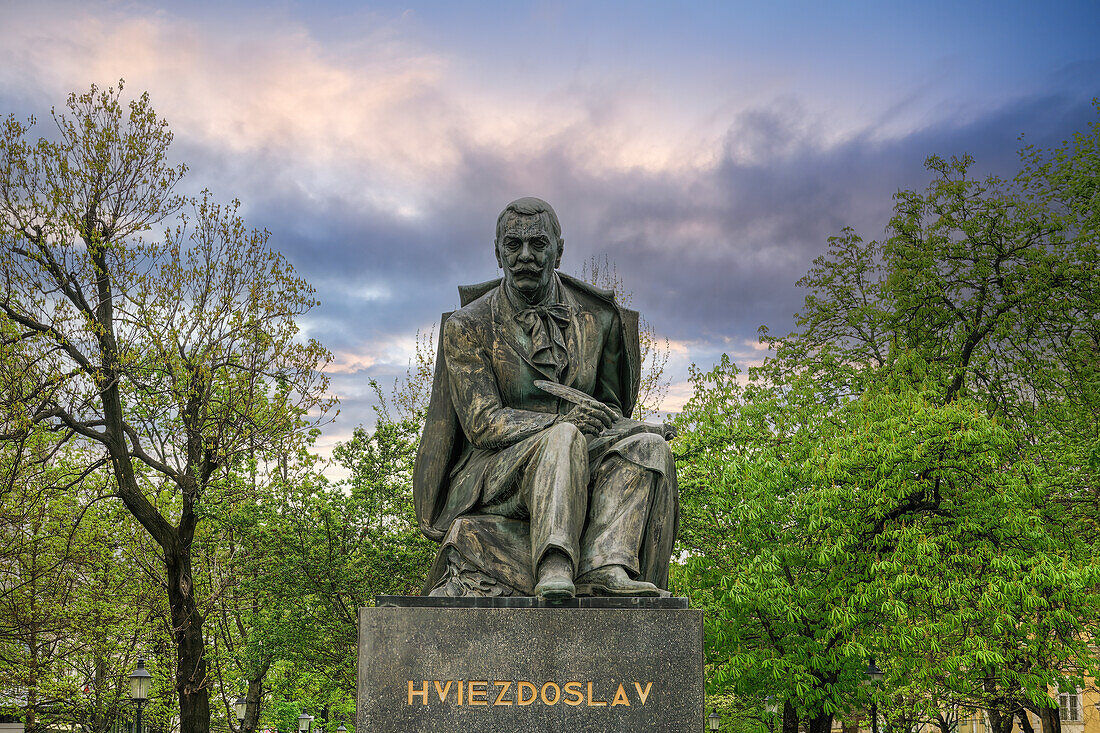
(999, 722)
(1025, 721)
(1051, 720)
(943, 723)
(253, 698)
(790, 718)
(192, 683)
(820, 723)
(30, 722)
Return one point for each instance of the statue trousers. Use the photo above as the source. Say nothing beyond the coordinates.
(616, 508)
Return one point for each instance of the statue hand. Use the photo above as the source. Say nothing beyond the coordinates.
(591, 417)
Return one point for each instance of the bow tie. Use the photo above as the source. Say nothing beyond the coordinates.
(544, 324)
(559, 312)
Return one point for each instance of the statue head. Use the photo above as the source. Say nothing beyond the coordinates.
(529, 247)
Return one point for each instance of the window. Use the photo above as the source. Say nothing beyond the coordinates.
(1069, 707)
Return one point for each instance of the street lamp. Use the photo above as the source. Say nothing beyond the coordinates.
(240, 706)
(772, 707)
(714, 720)
(874, 675)
(140, 681)
(341, 729)
(303, 722)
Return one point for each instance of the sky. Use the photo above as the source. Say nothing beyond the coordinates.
(708, 149)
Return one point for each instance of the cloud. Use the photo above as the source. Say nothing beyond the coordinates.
(348, 363)
(379, 122)
(379, 163)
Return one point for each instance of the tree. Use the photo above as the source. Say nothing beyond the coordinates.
(171, 358)
(67, 550)
(992, 284)
(336, 547)
(653, 384)
(293, 566)
(908, 477)
(814, 551)
(63, 552)
(257, 598)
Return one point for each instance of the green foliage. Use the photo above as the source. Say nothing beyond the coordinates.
(298, 559)
(912, 476)
(68, 549)
(171, 360)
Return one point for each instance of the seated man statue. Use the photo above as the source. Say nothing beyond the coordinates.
(530, 472)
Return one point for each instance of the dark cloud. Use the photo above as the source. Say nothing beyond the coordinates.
(716, 252)
(367, 154)
(709, 254)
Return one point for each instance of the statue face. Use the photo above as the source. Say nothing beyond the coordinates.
(529, 253)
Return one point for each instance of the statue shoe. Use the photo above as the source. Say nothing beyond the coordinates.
(555, 578)
(612, 580)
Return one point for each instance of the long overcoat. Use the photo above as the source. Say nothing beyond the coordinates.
(602, 335)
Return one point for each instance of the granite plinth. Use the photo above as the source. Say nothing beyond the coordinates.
(529, 602)
(609, 665)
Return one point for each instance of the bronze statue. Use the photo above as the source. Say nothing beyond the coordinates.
(528, 473)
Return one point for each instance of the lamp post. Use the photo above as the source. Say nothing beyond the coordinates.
(240, 707)
(303, 722)
(341, 729)
(773, 710)
(714, 720)
(874, 676)
(140, 681)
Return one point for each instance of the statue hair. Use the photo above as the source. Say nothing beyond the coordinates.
(528, 206)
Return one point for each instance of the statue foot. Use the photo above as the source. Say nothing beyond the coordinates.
(612, 580)
(555, 577)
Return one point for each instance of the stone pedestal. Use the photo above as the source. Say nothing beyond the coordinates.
(520, 664)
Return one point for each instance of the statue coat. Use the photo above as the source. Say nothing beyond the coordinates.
(484, 402)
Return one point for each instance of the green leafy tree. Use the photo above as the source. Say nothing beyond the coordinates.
(338, 546)
(908, 477)
(160, 352)
(252, 627)
(292, 566)
(68, 550)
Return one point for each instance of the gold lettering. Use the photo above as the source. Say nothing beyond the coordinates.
(505, 684)
(529, 693)
(480, 694)
(594, 703)
(423, 694)
(574, 689)
(557, 693)
(524, 685)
